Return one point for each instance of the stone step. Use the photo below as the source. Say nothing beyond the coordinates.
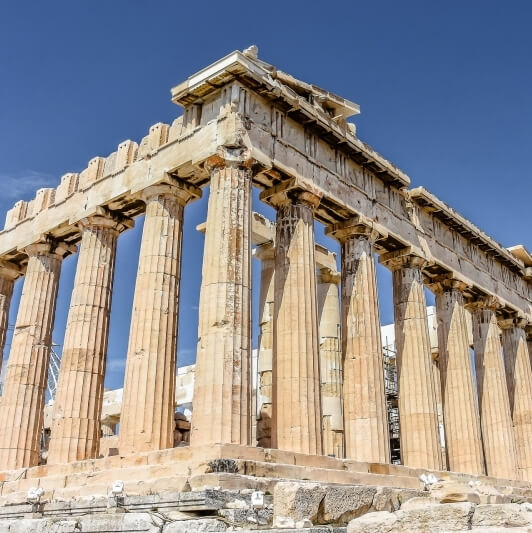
(194, 501)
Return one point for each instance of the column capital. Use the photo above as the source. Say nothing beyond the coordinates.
(447, 283)
(10, 270)
(403, 258)
(528, 331)
(328, 275)
(292, 192)
(103, 218)
(229, 157)
(513, 322)
(357, 226)
(171, 187)
(483, 303)
(47, 245)
(265, 251)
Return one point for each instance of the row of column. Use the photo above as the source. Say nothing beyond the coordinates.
(498, 445)
(148, 404)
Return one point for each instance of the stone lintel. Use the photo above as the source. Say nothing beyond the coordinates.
(402, 258)
(359, 225)
(293, 191)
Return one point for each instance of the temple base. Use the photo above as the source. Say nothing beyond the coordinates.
(188, 486)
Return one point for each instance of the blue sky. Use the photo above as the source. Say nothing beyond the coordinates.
(444, 89)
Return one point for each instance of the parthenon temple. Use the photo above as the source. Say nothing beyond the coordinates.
(319, 410)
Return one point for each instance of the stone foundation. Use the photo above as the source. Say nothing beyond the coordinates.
(211, 487)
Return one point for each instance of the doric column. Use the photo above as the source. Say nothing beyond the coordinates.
(529, 340)
(420, 444)
(460, 413)
(365, 411)
(296, 374)
(22, 405)
(266, 254)
(222, 388)
(75, 431)
(439, 408)
(330, 362)
(9, 272)
(519, 381)
(495, 417)
(148, 404)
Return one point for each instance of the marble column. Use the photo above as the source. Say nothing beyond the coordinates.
(460, 413)
(330, 362)
(494, 407)
(8, 274)
(439, 405)
(296, 374)
(148, 404)
(266, 254)
(75, 431)
(365, 410)
(22, 405)
(418, 416)
(222, 388)
(519, 381)
(529, 341)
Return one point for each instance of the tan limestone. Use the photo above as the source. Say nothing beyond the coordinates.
(495, 416)
(222, 389)
(330, 362)
(420, 446)
(8, 274)
(22, 405)
(296, 379)
(439, 404)
(365, 411)
(148, 405)
(519, 380)
(461, 419)
(266, 254)
(529, 341)
(75, 432)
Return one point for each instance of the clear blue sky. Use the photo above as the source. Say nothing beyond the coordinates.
(444, 89)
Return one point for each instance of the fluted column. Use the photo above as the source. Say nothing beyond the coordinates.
(420, 445)
(148, 404)
(222, 388)
(22, 405)
(8, 274)
(461, 419)
(330, 362)
(495, 416)
(365, 411)
(296, 376)
(529, 341)
(439, 408)
(75, 431)
(266, 254)
(519, 381)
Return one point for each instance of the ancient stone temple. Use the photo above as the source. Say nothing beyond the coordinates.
(312, 446)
